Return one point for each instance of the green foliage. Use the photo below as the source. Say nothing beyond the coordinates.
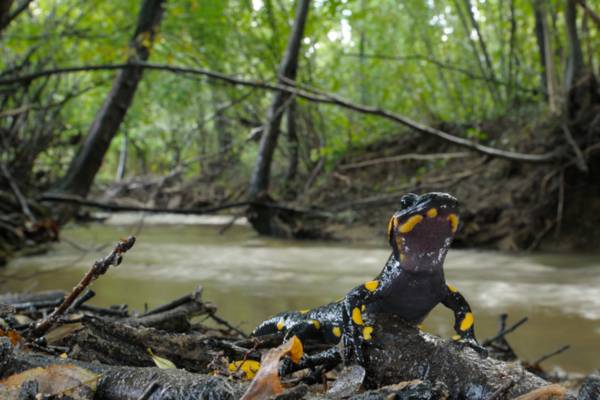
(415, 58)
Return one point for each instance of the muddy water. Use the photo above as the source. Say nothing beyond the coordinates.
(250, 278)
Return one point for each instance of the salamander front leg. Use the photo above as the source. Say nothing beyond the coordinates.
(464, 322)
(355, 331)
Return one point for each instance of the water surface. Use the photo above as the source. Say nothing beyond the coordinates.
(250, 278)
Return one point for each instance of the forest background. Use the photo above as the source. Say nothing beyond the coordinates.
(303, 116)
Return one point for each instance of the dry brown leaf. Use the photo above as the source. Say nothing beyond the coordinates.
(14, 336)
(550, 392)
(267, 383)
(55, 380)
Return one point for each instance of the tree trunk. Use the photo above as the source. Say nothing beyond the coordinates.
(292, 170)
(539, 36)
(259, 183)
(491, 85)
(122, 167)
(548, 60)
(222, 126)
(6, 16)
(86, 163)
(4, 13)
(574, 67)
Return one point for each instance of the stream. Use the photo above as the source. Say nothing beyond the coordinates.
(250, 278)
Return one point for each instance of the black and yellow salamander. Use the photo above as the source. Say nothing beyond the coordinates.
(410, 285)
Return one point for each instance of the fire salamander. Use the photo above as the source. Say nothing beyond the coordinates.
(410, 285)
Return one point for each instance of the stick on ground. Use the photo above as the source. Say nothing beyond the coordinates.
(99, 268)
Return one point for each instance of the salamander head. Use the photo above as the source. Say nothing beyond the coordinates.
(421, 232)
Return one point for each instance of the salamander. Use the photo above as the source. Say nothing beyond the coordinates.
(410, 284)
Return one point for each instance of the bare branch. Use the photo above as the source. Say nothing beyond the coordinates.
(403, 157)
(99, 268)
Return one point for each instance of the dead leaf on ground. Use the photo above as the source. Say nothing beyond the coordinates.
(550, 392)
(161, 362)
(55, 380)
(267, 383)
(14, 336)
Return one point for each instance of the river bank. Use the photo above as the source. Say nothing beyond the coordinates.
(252, 277)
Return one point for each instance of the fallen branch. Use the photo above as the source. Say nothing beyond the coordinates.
(306, 93)
(403, 157)
(400, 352)
(65, 198)
(99, 268)
(551, 354)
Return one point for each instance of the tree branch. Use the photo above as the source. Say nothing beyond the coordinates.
(306, 93)
(17, 11)
(402, 157)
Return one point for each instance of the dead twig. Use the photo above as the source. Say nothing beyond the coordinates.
(223, 322)
(560, 204)
(505, 332)
(99, 268)
(403, 157)
(15, 188)
(552, 354)
(579, 158)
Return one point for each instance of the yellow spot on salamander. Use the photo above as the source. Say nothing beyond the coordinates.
(357, 316)
(410, 223)
(456, 337)
(297, 350)
(432, 213)
(315, 323)
(390, 228)
(371, 286)
(367, 331)
(467, 322)
(249, 367)
(280, 325)
(337, 332)
(304, 311)
(452, 288)
(362, 308)
(453, 218)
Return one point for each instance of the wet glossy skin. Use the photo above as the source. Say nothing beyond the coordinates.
(410, 285)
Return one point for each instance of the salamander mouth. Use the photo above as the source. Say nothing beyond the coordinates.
(424, 231)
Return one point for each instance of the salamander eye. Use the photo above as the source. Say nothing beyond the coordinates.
(408, 200)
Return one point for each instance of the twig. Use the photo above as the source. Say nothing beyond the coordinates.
(99, 268)
(552, 354)
(579, 159)
(79, 302)
(402, 157)
(229, 224)
(15, 188)
(505, 332)
(560, 204)
(313, 95)
(221, 321)
(195, 296)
